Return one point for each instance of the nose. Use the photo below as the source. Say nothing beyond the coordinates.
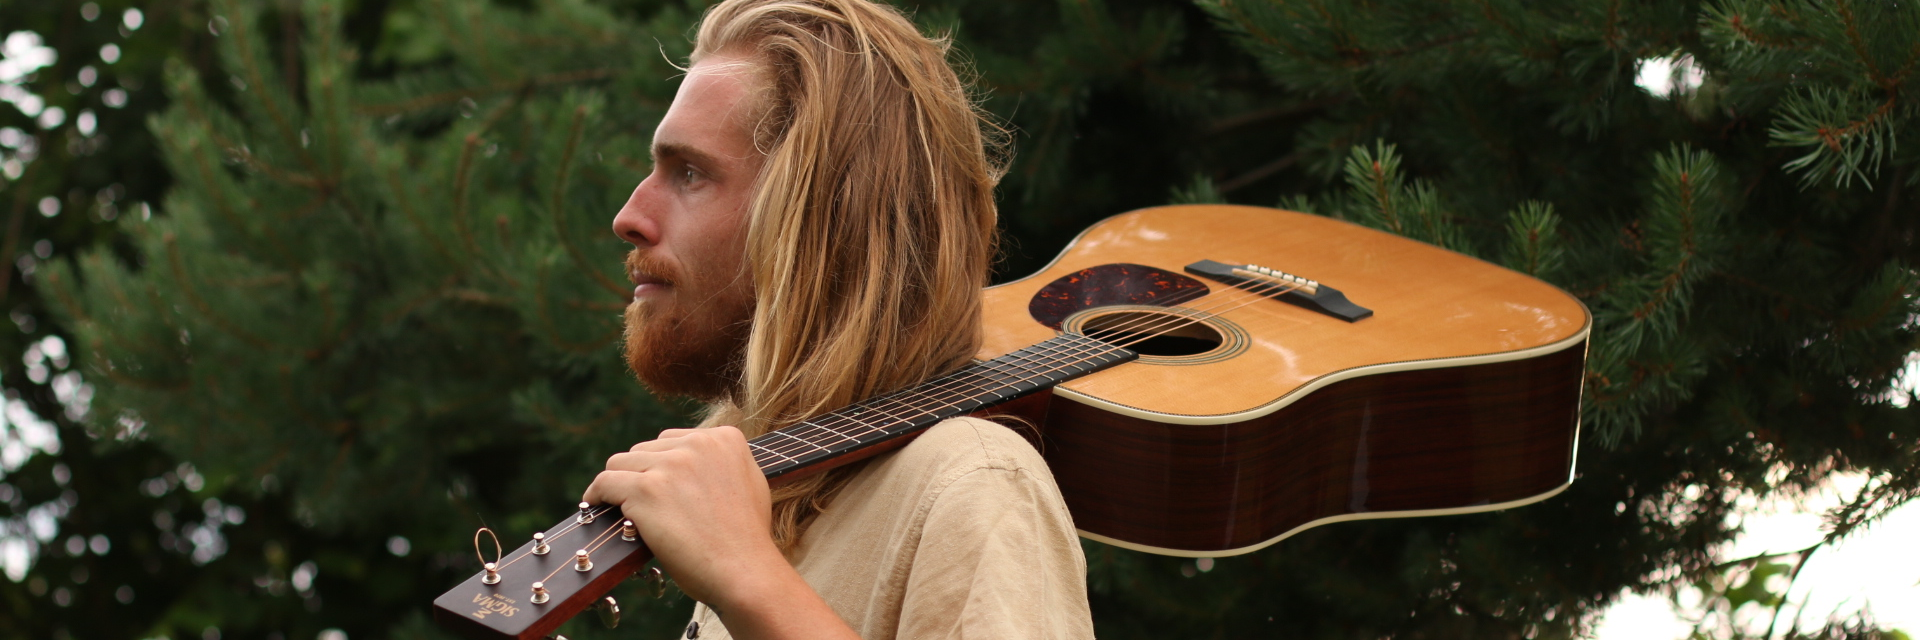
(636, 222)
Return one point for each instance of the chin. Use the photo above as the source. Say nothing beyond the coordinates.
(688, 357)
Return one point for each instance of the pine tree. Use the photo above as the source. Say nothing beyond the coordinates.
(378, 306)
(379, 312)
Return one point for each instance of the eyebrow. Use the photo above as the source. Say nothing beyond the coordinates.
(677, 150)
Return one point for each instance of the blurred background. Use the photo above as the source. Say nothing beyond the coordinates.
(303, 292)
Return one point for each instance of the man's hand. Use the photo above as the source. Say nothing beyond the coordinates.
(701, 504)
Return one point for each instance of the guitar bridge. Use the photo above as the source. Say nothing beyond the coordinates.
(1285, 287)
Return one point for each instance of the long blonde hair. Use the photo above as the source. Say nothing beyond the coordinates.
(871, 229)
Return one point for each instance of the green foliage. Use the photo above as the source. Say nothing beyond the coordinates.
(1534, 245)
(1200, 191)
(1841, 75)
(377, 300)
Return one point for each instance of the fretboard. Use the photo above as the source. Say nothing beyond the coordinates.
(971, 388)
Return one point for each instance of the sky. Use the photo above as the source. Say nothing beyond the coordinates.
(1877, 569)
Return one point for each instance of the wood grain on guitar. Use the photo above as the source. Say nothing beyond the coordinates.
(1323, 372)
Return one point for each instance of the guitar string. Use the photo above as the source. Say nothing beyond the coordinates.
(981, 374)
(1167, 321)
(925, 391)
(611, 527)
(562, 534)
(876, 406)
(603, 538)
(576, 524)
(1164, 322)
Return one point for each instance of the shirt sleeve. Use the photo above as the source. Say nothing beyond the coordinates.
(998, 558)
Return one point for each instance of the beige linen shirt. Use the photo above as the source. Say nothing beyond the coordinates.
(960, 534)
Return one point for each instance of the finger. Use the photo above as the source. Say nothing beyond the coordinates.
(634, 461)
(614, 488)
(666, 440)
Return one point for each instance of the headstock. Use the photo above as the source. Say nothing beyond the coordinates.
(510, 606)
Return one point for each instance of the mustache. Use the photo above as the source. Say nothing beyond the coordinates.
(643, 263)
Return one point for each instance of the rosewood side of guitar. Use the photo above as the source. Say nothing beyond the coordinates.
(1408, 443)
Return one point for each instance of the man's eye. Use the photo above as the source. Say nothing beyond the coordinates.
(688, 175)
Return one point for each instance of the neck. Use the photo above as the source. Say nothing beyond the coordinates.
(828, 440)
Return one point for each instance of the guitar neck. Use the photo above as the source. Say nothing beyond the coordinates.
(842, 436)
(502, 607)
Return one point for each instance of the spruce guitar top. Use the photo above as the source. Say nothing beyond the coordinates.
(1208, 380)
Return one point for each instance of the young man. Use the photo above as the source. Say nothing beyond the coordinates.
(816, 230)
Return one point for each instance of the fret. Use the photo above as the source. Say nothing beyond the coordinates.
(963, 391)
(752, 445)
(790, 436)
(835, 432)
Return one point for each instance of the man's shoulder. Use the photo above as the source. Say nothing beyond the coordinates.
(956, 463)
(960, 445)
(948, 452)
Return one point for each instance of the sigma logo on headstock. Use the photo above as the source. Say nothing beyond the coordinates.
(494, 603)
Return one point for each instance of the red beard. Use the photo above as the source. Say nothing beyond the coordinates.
(691, 342)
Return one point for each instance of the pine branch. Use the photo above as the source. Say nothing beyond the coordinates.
(444, 98)
(1841, 144)
(240, 47)
(556, 206)
(1533, 243)
(193, 298)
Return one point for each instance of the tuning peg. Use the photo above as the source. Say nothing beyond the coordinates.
(539, 593)
(656, 582)
(556, 637)
(581, 562)
(609, 611)
(540, 547)
(493, 574)
(586, 514)
(628, 532)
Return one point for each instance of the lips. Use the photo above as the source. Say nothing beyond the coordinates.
(644, 283)
(645, 272)
(642, 278)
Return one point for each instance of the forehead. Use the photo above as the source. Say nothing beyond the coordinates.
(713, 110)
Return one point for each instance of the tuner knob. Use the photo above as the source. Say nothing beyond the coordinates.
(581, 562)
(628, 532)
(586, 514)
(540, 547)
(609, 611)
(493, 574)
(539, 593)
(656, 582)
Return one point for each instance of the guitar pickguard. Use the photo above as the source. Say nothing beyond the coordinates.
(1111, 284)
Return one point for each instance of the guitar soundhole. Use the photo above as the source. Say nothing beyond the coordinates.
(1153, 333)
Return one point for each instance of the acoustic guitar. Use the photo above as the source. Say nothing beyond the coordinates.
(1207, 380)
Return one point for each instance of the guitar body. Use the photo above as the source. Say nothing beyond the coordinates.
(1460, 393)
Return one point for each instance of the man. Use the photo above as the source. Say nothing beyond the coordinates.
(816, 229)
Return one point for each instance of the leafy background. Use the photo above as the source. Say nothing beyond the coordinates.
(305, 291)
